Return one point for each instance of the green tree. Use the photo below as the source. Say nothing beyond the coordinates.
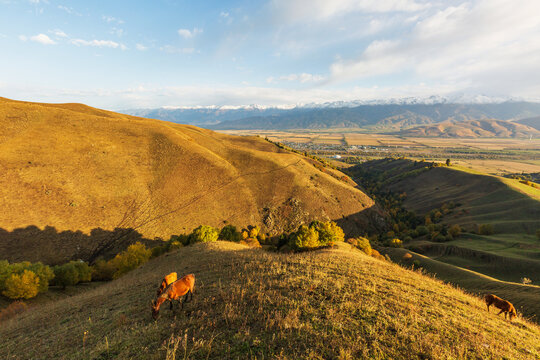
(85, 272)
(229, 233)
(397, 243)
(66, 275)
(204, 233)
(305, 238)
(485, 229)
(133, 257)
(361, 243)
(21, 286)
(329, 232)
(454, 230)
(447, 162)
(5, 272)
(103, 270)
(44, 273)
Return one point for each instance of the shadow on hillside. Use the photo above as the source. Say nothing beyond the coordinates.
(51, 247)
(368, 221)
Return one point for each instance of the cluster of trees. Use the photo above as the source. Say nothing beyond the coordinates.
(315, 235)
(24, 280)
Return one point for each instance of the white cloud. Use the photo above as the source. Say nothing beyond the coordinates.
(58, 33)
(224, 14)
(302, 78)
(176, 50)
(322, 10)
(69, 10)
(111, 19)
(43, 39)
(488, 44)
(22, 37)
(188, 34)
(141, 47)
(98, 43)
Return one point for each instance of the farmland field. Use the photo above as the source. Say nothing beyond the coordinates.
(494, 156)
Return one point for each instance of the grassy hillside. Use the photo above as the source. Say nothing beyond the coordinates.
(74, 176)
(474, 129)
(335, 303)
(511, 253)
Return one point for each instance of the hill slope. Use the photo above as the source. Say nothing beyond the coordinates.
(510, 253)
(72, 174)
(473, 129)
(248, 303)
(533, 122)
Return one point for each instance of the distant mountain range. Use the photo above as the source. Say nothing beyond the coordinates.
(473, 129)
(533, 122)
(399, 115)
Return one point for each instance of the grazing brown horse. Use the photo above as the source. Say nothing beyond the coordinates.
(174, 291)
(499, 303)
(168, 279)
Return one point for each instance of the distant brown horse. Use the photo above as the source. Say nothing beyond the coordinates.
(499, 303)
(168, 279)
(174, 291)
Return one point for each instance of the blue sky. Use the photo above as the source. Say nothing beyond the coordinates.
(133, 54)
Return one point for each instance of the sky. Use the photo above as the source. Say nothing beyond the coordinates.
(145, 54)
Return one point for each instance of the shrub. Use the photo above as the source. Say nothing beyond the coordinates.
(66, 274)
(485, 229)
(377, 255)
(407, 239)
(455, 230)
(11, 310)
(329, 232)
(253, 231)
(21, 286)
(159, 250)
(526, 281)
(538, 234)
(305, 238)
(182, 239)
(229, 233)
(317, 234)
(421, 230)
(407, 256)
(44, 273)
(84, 271)
(133, 257)
(204, 233)
(5, 272)
(397, 243)
(103, 270)
(361, 243)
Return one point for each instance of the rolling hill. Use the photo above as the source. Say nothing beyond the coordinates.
(382, 116)
(533, 122)
(473, 129)
(506, 256)
(75, 176)
(336, 303)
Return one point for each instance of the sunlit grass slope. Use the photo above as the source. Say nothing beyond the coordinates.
(76, 168)
(335, 303)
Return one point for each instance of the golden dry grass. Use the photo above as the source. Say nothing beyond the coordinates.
(74, 168)
(332, 304)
